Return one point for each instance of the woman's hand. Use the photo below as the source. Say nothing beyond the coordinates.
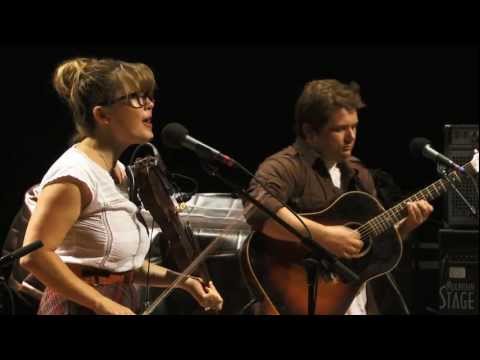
(206, 295)
(109, 307)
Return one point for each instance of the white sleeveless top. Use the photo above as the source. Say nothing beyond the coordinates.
(359, 303)
(107, 234)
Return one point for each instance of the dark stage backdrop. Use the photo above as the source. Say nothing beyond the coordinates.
(240, 100)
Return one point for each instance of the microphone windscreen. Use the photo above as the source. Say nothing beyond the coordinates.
(173, 135)
(417, 145)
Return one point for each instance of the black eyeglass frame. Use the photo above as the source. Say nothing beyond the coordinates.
(141, 99)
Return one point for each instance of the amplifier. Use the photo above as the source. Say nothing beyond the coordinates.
(459, 142)
(458, 290)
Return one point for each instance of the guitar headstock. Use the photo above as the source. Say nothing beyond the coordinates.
(474, 161)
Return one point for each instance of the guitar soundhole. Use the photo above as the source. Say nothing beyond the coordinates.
(367, 241)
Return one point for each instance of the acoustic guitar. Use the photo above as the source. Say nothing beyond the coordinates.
(275, 272)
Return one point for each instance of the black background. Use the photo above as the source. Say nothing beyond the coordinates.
(239, 98)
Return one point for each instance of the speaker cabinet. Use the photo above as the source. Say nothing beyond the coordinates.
(459, 142)
(458, 288)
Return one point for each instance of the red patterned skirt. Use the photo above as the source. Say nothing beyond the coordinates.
(115, 286)
(53, 303)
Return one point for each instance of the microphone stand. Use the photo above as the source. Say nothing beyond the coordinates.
(17, 254)
(443, 173)
(319, 253)
(10, 258)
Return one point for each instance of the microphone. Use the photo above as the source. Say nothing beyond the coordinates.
(14, 255)
(175, 136)
(422, 146)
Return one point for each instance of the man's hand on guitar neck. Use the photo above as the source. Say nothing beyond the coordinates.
(418, 213)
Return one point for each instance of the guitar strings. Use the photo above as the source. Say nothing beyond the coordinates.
(383, 222)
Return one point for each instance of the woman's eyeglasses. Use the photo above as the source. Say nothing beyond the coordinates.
(136, 100)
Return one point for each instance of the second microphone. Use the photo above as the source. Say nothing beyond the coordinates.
(175, 136)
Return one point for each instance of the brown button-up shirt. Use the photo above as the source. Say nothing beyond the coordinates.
(297, 176)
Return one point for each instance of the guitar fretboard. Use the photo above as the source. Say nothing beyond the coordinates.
(385, 221)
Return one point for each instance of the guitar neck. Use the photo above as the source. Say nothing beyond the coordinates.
(385, 221)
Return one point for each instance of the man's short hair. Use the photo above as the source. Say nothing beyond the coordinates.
(320, 99)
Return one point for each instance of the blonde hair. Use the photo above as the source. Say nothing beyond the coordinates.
(87, 82)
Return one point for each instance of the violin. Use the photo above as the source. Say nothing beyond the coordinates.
(151, 180)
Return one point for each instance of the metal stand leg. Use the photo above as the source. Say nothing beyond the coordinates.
(311, 267)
